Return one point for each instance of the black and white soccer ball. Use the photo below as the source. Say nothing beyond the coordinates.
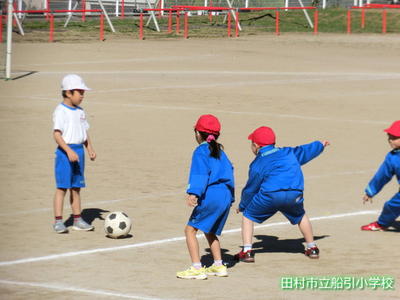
(117, 225)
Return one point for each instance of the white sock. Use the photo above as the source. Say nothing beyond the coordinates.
(247, 247)
(218, 262)
(197, 265)
(310, 245)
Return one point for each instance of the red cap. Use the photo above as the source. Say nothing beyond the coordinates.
(263, 136)
(209, 124)
(394, 129)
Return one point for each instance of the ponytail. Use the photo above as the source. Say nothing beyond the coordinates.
(213, 145)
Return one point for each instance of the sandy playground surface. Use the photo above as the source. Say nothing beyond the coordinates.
(146, 97)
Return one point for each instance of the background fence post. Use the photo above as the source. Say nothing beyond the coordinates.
(177, 22)
(141, 26)
(384, 15)
(237, 24)
(51, 33)
(1, 28)
(316, 21)
(277, 32)
(170, 21)
(102, 27)
(229, 23)
(349, 21)
(185, 33)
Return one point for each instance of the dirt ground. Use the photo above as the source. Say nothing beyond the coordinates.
(146, 97)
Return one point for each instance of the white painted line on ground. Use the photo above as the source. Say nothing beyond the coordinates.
(63, 288)
(164, 241)
(114, 61)
(87, 204)
(235, 84)
(357, 213)
(252, 113)
(393, 75)
(181, 192)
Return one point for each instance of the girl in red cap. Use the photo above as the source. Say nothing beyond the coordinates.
(275, 184)
(389, 168)
(211, 193)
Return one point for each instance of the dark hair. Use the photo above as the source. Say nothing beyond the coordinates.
(214, 146)
(64, 93)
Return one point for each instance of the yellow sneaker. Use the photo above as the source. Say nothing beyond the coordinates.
(192, 273)
(220, 271)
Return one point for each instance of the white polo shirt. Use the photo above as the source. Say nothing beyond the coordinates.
(72, 123)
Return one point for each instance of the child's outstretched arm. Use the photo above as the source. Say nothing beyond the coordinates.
(381, 177)
(72, 156)
(307, 152)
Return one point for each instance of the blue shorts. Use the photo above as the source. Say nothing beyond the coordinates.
(70, 175)
(289, 203)
(212, 211)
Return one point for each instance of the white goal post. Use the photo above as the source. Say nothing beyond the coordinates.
(10, 10)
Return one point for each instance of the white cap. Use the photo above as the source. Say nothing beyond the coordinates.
(73, 82)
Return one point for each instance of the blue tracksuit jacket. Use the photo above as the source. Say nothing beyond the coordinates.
(277, 169)
(206, 171)
(389, 168)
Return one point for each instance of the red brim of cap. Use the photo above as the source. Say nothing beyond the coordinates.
(392, 132)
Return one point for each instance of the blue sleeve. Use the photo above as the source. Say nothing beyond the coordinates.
(199, 174)
(381, 177)
(307, 152)
(252, 187)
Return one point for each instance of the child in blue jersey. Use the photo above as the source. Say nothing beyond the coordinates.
(275, 184)
(211, 193)
(389, 168)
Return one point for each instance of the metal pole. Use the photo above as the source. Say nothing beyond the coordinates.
(19, 8)
(70, 13)
(306, 14)
(106, 15)
(9, 38)
(234, 16)
(152, 17)
(21, 30)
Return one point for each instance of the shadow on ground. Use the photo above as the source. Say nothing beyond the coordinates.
(89, 215)
(264, 244)
(208, 260)
(268, 244)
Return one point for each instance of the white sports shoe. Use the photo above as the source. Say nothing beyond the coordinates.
(59, 227)
(80, 224)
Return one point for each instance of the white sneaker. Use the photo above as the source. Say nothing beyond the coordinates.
(220, 271)
(80, 224)
(59, 227)
(192, 273)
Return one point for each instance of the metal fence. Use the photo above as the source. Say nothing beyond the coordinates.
(114, 6)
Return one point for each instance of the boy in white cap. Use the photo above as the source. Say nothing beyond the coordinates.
(70, 133)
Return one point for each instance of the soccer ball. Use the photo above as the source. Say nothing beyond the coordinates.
(117, 225)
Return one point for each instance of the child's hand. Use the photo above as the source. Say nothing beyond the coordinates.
(72, 156)
(325, 143)
(92, 154)
(367, 198)
(191, 200)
